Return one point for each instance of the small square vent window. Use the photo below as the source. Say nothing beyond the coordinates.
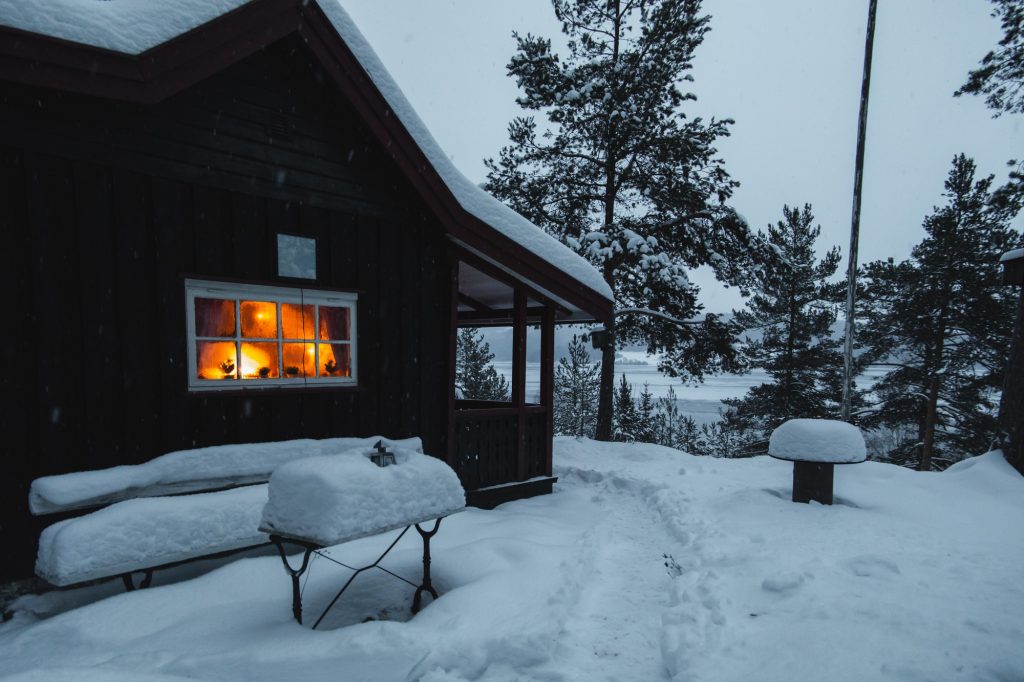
(296, 256)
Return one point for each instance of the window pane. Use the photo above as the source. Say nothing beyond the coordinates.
(259, 319)
(299, 360)
(215, 317)
(333, 324)
(335, 360)
(216, 360)
(297, 321)
(259, 361)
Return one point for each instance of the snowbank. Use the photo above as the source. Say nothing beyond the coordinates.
(149, 532)
(134, 26)
(646, 564)
(818, 440)
(185, 470)
(338, 498)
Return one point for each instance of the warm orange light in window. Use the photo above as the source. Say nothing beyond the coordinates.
(259, 361)
(216, 359)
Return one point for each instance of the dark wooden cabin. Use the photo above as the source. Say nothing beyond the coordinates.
(244, 180)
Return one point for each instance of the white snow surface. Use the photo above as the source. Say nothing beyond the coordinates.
(134, 26)
(147, 532)
(220, 462)
(818, 440)
(128, 26)
(1012, 255)
(334, 499)
(646, 564)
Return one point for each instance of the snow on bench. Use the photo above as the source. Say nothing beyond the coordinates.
(185, 471)
(151, 532)
(331, 500)
(142, 534)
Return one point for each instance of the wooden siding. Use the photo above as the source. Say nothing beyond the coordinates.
(107, 206)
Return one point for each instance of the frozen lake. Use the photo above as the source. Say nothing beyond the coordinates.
(702, 401)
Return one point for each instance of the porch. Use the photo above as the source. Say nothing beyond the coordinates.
(502, 450)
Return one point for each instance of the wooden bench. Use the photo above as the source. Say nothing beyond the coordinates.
(180, 507)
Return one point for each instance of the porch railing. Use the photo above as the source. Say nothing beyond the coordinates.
(499, 443)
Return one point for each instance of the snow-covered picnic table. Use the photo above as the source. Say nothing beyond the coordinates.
(815, 446)
(143, 529)
(320, 502)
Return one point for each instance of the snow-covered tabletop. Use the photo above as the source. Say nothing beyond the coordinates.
(334, 499)
(827, 441)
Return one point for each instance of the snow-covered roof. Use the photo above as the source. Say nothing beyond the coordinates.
(135, 26)
(1012, 255)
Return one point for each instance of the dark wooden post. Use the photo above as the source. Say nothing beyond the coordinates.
(519, 378)
(452, 344)
(547, 381)
(812, 481)
(1011, 404)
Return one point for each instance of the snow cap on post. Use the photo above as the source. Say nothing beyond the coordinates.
(1013, 267)
(818, 440)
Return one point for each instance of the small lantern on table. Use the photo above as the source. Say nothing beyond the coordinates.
(381, 457)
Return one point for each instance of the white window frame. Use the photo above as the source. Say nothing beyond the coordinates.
(195, 288)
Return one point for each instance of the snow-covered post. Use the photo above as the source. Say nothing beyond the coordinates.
(815, 446)
(1011, 404)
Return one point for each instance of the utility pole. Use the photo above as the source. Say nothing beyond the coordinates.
(858, 182)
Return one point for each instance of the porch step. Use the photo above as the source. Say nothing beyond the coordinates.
(491, 497)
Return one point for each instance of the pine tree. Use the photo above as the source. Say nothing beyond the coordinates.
(576, 389)
(621, 175)
(794, 309)
(943, 321)
(475, 376)
(1000, 78)
(644, 429)
(627, 419)
(729, 437)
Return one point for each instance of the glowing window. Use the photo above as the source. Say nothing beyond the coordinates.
(249, 336)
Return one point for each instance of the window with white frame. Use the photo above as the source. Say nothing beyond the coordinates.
(250, 336)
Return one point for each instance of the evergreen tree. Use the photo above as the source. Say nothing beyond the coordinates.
(627, 418)
(1000, 78)
(576, 388)
(668, 421)
(621, 175)
(794, 309)
(644, 430)
(943, 321)
(475, 376)
(729, 437)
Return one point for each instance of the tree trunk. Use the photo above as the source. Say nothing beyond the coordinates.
(1011, 404)
(929, 426)
(604, 400)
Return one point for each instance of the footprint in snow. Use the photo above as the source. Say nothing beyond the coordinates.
(871, 566)
(782, 583)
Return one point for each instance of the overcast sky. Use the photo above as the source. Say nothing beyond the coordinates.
(787, 71)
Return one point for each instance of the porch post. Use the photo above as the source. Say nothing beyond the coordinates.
(519, 378)
(452, 341)
(547, 381)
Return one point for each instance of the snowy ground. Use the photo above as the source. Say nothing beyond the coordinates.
(909, 577)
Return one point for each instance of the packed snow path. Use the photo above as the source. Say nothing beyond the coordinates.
(613, 632)
(909, 577)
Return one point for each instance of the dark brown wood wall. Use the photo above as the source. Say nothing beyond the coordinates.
(105, 207)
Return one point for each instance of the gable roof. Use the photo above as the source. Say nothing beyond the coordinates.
(145, 51)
